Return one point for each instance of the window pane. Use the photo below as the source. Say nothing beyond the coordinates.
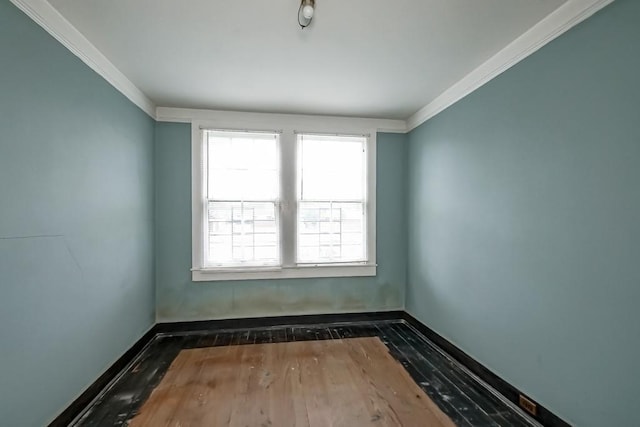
(333, 168)
(309, 253)
(242, 166)
(266, 252)
(331, 232)
(242, 234)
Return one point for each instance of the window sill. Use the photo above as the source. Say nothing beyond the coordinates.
(299, 272)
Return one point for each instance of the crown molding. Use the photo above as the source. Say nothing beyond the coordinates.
(55, 24)
(555, 24)
(236, 118)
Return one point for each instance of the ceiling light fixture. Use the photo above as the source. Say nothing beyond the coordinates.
(305, 12)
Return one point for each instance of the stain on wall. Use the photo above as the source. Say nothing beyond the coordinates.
(178, 298)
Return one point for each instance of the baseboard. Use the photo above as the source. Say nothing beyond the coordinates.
(543, 415)
(69, 414)
(257, 322)
(84, 400)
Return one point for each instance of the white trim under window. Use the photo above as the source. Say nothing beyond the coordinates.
(287, 203)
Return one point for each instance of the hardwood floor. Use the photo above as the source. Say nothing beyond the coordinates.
(350, 382)
(339, 374)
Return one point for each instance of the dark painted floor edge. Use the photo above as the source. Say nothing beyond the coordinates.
(327, 323)
(511, 393)
(78, 406)
(265, 322)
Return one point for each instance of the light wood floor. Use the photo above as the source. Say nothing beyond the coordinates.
(350, 382)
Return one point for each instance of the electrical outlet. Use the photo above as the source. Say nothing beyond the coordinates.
(528, 405)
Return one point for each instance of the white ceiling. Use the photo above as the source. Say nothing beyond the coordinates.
(363, 58)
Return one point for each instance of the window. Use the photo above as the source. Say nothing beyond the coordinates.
(241, 228)
(331, 208)
(282, 204)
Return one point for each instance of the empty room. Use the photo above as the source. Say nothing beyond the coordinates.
(319, 213)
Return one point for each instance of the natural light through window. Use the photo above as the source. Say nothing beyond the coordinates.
(277, 202)
(331, 211)
(242, 199)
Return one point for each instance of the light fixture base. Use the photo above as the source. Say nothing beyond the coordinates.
(306, 12)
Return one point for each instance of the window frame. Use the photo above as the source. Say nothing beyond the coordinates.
(207, 199)
(300, 193)
(288, 148)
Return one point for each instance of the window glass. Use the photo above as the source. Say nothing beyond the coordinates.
(242, 199)
(332, 206)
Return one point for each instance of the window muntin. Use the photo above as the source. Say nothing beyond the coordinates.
(242, 199)
(331, 224)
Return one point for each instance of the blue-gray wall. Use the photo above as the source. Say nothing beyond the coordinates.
(178, 298)
(76, 223)
(524, 211)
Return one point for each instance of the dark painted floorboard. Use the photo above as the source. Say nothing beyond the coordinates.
(460, 396)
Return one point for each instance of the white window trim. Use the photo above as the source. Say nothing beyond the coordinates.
(287, 126)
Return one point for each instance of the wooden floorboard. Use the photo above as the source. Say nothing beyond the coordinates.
(440, 386)
(431, 359)
(227, 354)
(351, 382)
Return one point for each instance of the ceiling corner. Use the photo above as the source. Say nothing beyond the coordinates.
(45, 15)
(552, 26)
